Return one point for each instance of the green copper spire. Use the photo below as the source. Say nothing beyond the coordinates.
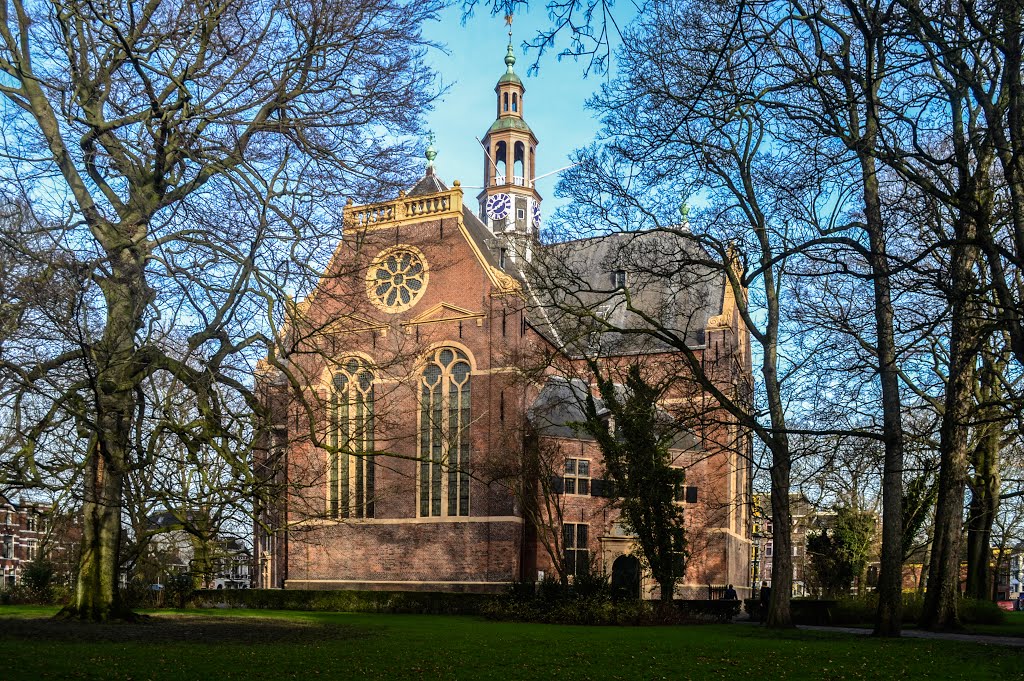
(510, 59)
(431, 152)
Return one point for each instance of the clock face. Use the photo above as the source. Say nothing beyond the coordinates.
(498, 206)
(536, 216)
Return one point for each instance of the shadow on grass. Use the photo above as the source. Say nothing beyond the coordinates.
(161, 629)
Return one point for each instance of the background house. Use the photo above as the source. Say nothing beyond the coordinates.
(31, 531)
(181, 543)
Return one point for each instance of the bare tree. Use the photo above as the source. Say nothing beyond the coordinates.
(191, 162)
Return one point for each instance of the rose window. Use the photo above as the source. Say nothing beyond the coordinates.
(397, 278)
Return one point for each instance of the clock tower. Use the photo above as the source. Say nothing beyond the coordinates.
(509, 204)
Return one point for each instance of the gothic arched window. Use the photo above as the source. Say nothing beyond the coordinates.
(350, 436)
(444, 434)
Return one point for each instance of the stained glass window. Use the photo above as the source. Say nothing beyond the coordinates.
(444, 434)
(350, 437)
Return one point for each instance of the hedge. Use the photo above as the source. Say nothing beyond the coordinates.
(861, 610)
(411, 602)
(601, 610)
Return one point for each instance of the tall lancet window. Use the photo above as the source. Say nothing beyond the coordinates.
(350, 462)
(444, 434)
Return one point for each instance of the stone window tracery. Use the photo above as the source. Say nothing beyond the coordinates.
(444, 434)
(350, 436)
(397, 278)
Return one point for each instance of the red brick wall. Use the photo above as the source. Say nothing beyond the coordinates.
(340, 322)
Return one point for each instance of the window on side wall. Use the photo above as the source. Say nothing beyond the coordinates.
(577, 477)
(350, 472)
(575, 538)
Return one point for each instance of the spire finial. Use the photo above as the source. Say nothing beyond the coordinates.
(684, 210)
(510, 56)
(431, 152)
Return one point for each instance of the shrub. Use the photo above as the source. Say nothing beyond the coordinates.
(857, 610)
(406, 602)
(179, 589)
(861, 610)
(37, 577)
(551, 590)
(711, 611)
(61, 594)
(15, 594)
(591, 584)
(980, 612)
(813, 611)
(588, 601)
(522, 591)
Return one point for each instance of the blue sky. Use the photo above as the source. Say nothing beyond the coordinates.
(554, 99)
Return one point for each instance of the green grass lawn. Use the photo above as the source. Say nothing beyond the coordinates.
(1013, 625)
(253, 645)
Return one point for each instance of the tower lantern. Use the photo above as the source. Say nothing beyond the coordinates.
(509, 204)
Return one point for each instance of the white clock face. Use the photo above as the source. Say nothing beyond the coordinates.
(498, 206)
(536, 216)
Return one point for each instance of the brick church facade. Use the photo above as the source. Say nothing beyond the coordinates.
(425, 416)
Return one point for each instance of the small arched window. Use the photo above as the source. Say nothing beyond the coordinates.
(506, 101)
(515, 101)
(350, 437)
(500, 162)
(518, 166)
(444, 434)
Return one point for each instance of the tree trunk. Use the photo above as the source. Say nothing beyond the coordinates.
(983, 508)
(926, 562)
(889, 617)
(940, 603)
(1010, 149)
(117, 371)
(780, 615)
(667, 588)
(96, 594)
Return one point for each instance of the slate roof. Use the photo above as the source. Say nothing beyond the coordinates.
(430, 183)
(557, 411)
(559, 406)
(668, 278)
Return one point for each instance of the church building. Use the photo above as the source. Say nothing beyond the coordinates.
(426, 415)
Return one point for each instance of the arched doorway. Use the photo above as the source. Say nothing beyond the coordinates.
(626, 577)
